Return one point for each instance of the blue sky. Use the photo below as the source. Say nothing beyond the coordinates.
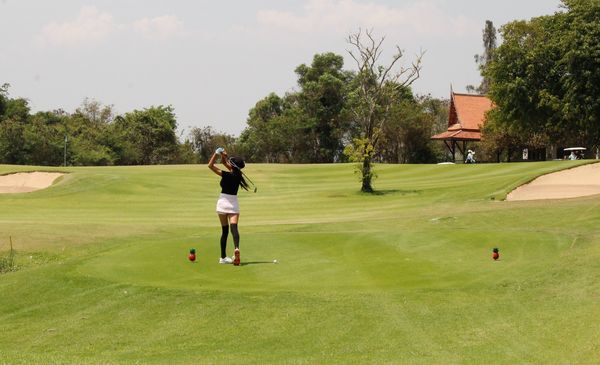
(213, 60)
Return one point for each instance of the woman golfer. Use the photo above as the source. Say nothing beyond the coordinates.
(228, 208)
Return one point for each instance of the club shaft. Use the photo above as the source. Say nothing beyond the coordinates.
(246, 176)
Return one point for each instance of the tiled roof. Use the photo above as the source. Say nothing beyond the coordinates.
(467, 115)
(470, 110)
(459, 135)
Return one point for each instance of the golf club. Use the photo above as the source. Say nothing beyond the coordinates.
(246, 176)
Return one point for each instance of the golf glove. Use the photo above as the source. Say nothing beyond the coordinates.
(219, 150)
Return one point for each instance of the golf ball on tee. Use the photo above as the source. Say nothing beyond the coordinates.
(274, 261)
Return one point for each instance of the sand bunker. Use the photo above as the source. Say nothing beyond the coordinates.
(25, 182)
(571, 183)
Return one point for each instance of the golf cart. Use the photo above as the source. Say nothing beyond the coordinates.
(576, 153)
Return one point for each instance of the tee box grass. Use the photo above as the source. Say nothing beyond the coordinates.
(404, 275)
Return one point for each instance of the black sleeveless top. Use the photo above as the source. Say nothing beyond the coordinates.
(230, 183)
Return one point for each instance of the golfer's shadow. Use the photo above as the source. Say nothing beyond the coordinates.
(256, 263)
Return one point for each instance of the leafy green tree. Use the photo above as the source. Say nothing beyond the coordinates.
(438, 110)
(85, 152)
(499, 142)
(303, 126)
(12, 142)
(406, 137)
(298, 141)
(376, 90)
(545, 76)
(3, 99)
(94, 135)
(581, 62)
(13, 109)
(505, 144)
(321, 100)
(148, 136)
(526, 78)
(186, 154)
(118, 138)
(44, 139)
(17, 110)
(88, 132)
(264, 138)
(14, 114)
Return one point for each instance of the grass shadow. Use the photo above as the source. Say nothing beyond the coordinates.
(256, 263)
(391, 192)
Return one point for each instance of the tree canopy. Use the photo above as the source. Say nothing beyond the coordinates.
(545, 78)
(91, 135)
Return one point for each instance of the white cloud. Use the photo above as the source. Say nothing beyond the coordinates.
(160, 28)
(92, 25)
(340, 16)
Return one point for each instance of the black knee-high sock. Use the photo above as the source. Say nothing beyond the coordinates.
(236, 235)
(224, 234)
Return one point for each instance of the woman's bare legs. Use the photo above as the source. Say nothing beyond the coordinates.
(233, 218)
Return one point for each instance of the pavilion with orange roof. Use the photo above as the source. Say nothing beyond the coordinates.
(466, 117)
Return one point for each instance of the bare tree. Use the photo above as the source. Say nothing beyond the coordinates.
(378, 89)
(205, 140)
(95, 112)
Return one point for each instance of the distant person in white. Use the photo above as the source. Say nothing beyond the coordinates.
(470, 157)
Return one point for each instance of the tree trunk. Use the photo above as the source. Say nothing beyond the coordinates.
(366, 176)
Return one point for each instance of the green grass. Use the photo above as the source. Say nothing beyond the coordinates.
(404, 276)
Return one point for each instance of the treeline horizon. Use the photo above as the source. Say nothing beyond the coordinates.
(92, 135)
(311, 125)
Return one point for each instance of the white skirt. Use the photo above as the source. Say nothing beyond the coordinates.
(228, 204)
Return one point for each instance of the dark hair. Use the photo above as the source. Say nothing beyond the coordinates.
(237, 164)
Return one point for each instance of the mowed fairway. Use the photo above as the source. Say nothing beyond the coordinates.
(404, 276)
